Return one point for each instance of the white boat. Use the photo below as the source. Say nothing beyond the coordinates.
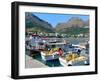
(46, 57)
(63, 62)
(82, 60)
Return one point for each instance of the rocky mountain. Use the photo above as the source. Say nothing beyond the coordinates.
(36, 24)
(86, 23)
(75, 25)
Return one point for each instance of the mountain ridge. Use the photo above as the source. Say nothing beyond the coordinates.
(33, 21)
(74, 24)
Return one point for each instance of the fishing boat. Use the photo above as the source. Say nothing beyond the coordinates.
(46, 56)
(73, 60)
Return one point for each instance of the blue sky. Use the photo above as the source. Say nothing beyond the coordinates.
(54, 19)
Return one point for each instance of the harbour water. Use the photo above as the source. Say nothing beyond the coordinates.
(56, 63)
